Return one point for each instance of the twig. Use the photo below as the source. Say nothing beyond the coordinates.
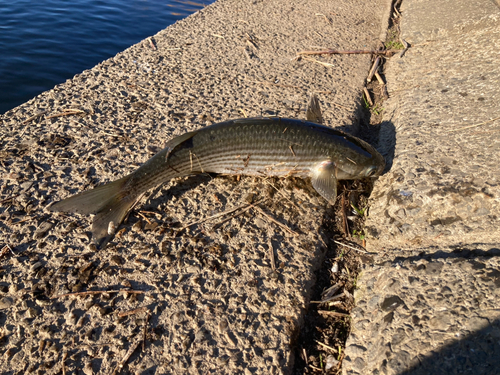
(4, 251)
(67, 113)
(328, 65)
(367, 95)
(353, 52)
(34, 117)
(63, 359)
(344, 216)
(405, 44)
(338, 296)
(326, 346)
(238, 213)
(326, 18)
(145, 330)
(271, 255)
(151, 43)
(134, 311)
(144, 217)
(385, 94)
(276, 221)
(379, 79)
(373, 69)
(352, 248)
(245, 206)
(333, 313)
(124, 360)
(89, 292)
(284, 196)
(315, 368)
(474, 126)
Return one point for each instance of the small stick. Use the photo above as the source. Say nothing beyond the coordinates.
(151, 44)
(124, 360)
(338, 296)
(65, 355)
(4, 251)
(353, 52)
(344, 216)
(352, 248)
(276, 221)
(367, 95)
(158, 215)
(333, 313)
(145, 330)
(405, 44)
(144, 217)
(134, 311)
(385, 94)
(238, 213)
(97, 292)
(474, 126)
(245, 206)
(326, 18)
(305, 355)
(315, 368)
(373, 69)
(379, 78)
(34, 117)
(283, 195)
(328, 65)
(326, 346)
(271, 255)
(67, 113)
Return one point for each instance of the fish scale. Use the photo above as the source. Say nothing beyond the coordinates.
(256, 147)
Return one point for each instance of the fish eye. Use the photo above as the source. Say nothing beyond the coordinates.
(371, 171)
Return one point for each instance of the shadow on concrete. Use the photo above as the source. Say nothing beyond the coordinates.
(381, 136)
(477, 353)
(458, 252)
(386, 144)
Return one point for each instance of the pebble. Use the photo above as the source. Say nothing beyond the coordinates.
(32, 313)
(6, 302)
(42, 230)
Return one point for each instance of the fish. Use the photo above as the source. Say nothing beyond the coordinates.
(275, 146)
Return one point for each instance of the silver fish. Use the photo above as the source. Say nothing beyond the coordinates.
(251, 146)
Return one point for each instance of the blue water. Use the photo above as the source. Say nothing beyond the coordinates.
(45, 42)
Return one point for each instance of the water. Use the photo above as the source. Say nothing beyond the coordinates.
(45, 42)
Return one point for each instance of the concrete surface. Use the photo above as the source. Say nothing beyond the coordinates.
(211, 301)
(429, 302)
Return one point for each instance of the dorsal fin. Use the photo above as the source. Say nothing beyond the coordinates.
(313, 111)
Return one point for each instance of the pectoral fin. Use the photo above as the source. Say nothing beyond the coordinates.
(324, 180)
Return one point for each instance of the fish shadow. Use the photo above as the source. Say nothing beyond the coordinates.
(381, 136)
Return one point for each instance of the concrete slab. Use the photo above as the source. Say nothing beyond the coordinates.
(208, 300)
(429, 302)
(427, 19)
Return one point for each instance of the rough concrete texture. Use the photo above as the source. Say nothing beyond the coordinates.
(211, 302)
(429, 302)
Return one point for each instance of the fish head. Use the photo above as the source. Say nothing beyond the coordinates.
(359, 160)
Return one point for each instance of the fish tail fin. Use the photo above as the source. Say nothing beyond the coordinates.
(109, 203)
